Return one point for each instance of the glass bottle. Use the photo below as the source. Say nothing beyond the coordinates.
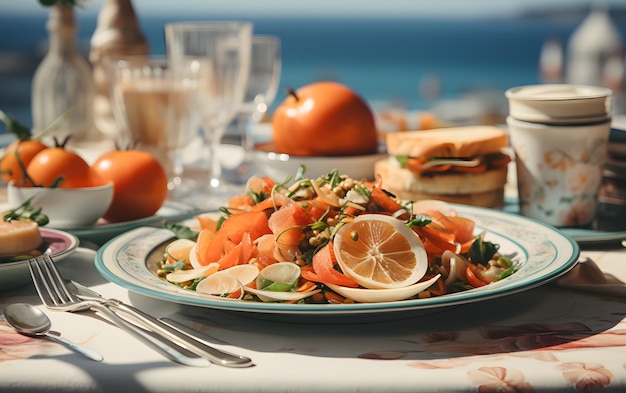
(62, 84)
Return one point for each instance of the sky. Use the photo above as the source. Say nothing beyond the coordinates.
(321, 8)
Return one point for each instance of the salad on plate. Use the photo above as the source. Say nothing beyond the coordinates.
(332, 239)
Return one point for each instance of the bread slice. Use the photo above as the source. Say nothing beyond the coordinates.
(19, 236)
(447, 142)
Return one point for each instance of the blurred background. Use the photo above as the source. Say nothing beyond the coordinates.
(452, 58)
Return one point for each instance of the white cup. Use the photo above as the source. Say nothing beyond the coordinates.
(560, 147)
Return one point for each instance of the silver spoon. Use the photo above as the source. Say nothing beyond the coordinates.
(31, 321)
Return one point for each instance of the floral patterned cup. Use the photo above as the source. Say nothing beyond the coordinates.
(559, 170)
(559, 133)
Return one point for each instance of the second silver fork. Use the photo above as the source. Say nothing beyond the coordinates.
(55, 295)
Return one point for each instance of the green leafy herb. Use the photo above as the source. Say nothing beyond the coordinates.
(481, 251)
(181, 231)
(26, 211)
(419, 221)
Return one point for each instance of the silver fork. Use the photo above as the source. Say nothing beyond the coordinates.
(182, 337)
(55, 295)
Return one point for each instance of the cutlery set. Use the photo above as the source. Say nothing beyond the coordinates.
(163, 336)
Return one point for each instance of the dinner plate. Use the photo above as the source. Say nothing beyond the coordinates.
(540, 252)
(101, 232)
(57, 243)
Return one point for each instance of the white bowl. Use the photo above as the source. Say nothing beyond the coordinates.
(280, 166)
(560, 103)
(66, 208)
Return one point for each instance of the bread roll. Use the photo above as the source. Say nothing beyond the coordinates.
(19, 236)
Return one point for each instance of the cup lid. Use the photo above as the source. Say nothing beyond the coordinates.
(560, 103)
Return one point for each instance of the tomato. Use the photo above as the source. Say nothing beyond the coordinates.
(474, 276)
(324, 119)
(54, 163)
(139, 184)
(19, 151)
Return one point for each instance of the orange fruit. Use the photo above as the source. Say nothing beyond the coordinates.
(379, 251)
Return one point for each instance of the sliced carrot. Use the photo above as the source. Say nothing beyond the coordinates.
(387, 203)
(209, 246)
(286, 224)
(265, 204)
(207, 221)
(332, 297)
(323, 269)
(481, 167)
(463, 228)
(253, 222)
(231, 258)
(474, 277)
(265, 246)
(246, 248)
(438, 288)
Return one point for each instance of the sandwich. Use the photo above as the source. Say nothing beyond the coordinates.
(465, 165)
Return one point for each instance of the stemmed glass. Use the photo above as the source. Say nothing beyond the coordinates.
(263, 81)
(216, 57)
(153, 110)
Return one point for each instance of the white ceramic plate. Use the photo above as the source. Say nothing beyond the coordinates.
(100, 233)
(541, 252)
(57, 243)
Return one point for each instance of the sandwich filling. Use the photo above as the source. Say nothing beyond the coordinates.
(475, 164)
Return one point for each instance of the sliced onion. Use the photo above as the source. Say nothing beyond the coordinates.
(192, 274)
(362, 295)
(455, 264)
(282, 274)
(328, 197)
(193, 257)
(272, 296)
(432, 204)
(245, 274)
(220, 283)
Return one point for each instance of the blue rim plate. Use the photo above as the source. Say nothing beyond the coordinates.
(541, 252)
(56, 243)
(99, 232)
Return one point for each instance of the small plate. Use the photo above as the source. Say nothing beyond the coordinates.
(541, 252)
(101, 232)
(603, 232)
(58, 244)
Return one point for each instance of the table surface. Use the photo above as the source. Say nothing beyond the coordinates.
(552, 338)
(548, 338)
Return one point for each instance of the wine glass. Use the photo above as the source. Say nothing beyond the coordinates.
(263, 81)
(216, 57)
(153, 110)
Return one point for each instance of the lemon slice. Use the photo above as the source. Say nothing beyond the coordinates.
(379, 251)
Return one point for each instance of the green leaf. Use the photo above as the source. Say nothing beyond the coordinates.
(481, 251)
(181, 231)
(21, 131)
(26, 211)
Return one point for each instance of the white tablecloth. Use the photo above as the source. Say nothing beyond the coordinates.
(548, 338)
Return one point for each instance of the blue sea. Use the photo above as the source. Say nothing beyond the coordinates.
(384, 60)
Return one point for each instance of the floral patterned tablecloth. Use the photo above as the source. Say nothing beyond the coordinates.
(552, 338)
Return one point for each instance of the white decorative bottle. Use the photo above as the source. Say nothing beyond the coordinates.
(62, 84)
